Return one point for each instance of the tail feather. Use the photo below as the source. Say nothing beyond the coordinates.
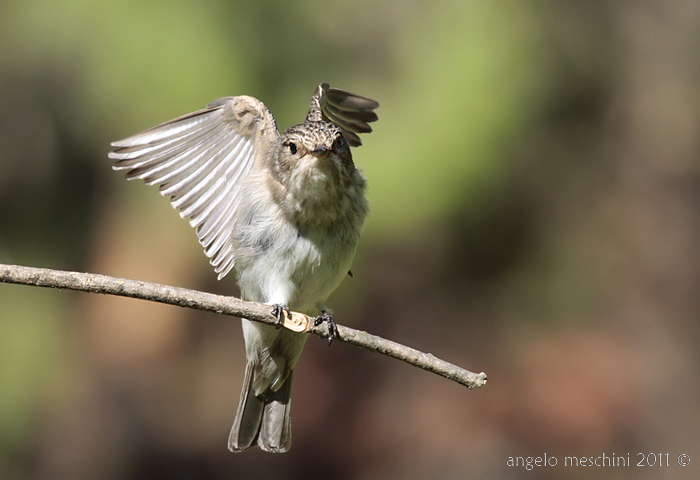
(264, 418)
(248, 417)
(276, 426)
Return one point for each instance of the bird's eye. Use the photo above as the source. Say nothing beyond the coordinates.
(293, 148)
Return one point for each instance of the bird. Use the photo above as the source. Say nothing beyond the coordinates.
(284, 211)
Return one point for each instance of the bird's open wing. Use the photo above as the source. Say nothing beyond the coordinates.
(352, 113)
(199, 160)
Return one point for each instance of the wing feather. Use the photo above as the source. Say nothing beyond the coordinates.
(180, 163)
(200, 161)
(352, 113)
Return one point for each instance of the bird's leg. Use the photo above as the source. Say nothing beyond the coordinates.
(277, 310)
(332, 327)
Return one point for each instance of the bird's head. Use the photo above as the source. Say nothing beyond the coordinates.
(314, 165)
(314, 152)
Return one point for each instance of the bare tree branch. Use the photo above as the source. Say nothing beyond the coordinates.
(258, 312)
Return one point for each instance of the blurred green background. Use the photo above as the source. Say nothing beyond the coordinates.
(534, 185)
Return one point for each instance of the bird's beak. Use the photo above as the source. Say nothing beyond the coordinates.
(320, 150)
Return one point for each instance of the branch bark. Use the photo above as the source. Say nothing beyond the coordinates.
(257, 312)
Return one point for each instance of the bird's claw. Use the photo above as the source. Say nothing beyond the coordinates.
(277, 310)
(332, 327)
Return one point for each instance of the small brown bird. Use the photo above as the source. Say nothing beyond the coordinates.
(286, 211)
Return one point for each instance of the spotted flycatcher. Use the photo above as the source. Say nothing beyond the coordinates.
(285, 211)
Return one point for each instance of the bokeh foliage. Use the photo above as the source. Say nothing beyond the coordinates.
(533, 182)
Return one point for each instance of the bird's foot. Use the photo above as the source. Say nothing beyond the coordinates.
(332, 327)
(277, 310)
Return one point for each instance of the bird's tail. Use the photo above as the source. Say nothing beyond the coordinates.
(264, 418)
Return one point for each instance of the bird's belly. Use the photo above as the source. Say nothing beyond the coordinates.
(296, 270)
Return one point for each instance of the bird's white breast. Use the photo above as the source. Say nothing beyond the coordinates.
(280, 263)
